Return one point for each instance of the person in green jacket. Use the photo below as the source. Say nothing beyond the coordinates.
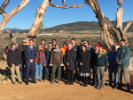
(123, 61)
(47, 54)
(101, 64)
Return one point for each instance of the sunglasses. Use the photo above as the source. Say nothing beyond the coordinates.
(24, 42)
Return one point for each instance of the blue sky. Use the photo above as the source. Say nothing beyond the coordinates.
(56, 16)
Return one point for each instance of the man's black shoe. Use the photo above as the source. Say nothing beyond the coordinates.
(34, 82)
(27, 83)
(71, 83)
(67, 83)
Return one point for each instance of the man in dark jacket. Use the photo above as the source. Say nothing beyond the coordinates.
(47, 54)
(123, 61)
(21, 50)
(14, 61)
(30, 55)
(69, 60)
(76, 49)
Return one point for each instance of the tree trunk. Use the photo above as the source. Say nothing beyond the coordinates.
(119, 16)
(11, 14)
(39, 16)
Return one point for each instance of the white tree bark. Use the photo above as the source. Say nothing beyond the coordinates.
(39, 16)
(119, 17)
(7, 17)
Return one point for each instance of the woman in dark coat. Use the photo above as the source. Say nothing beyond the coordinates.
(84, 61)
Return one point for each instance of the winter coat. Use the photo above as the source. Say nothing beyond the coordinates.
(21, 50)
(70, 57)
(48, 54)
(16, 55)
(56, 58)
(42, 57)
(85, 59)
(123, 55)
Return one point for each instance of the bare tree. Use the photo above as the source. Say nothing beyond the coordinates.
(7, 17)
(40, 14)
(107, 28)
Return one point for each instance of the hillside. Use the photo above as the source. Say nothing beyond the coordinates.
(77, 26)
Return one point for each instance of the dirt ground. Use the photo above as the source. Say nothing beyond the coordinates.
(48, 91)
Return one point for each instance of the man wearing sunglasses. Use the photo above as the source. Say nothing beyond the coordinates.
(22, 67)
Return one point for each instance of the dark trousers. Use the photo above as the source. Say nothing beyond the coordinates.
(22, 71)
(113, 69)
(62, 72)
(76, 73)
(32, 74)
(70, 75)
(46, 72)
(94, 75)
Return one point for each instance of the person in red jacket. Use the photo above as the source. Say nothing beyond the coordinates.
(40, 62)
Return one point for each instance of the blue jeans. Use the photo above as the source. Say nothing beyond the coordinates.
(95, 78)
(22, 71)
(39, 71)
(113, 69)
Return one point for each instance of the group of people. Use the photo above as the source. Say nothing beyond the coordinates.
(52, 62)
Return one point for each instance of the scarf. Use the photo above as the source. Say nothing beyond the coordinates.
(56, 50)
(12, 50)
(65, 48)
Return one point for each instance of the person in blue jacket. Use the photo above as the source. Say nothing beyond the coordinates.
(112, 66)
(30, 55)
(123, 61)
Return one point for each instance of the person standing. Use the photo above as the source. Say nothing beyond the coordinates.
(92, 51)
(76, 49)
(23, 59)
(30, 55)
(112, 66)
(14, 61)
(69, 61)
(56, 61)
(101, 64)
(84, 61)
(123, 61)
(63, 49)
(53, 44)
(40, 62)
(47, 67)
(44, 47)
(95, 81)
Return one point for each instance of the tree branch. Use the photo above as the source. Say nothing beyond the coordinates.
(66, 6)
(2, 11)
(11, 14)
(126, 28)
